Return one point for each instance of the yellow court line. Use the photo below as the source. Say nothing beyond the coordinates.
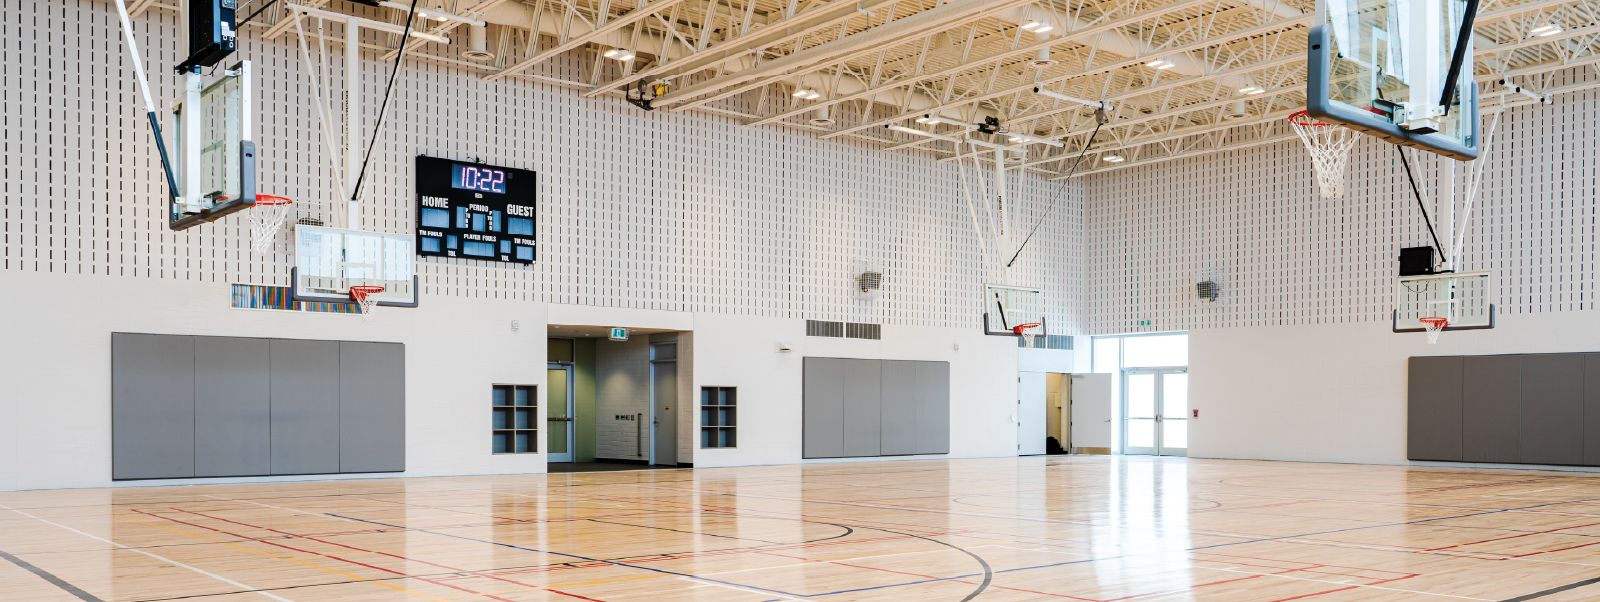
(294, 560)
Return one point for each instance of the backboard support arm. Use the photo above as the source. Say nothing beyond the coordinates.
(1463, 45)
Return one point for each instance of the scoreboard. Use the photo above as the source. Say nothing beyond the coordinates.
(476, 211)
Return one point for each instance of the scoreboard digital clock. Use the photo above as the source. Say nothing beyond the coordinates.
(476, 211)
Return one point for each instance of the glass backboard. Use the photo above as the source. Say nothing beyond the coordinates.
(215, 153)
(1465, 299)
(1006, 307)
(328, 261)
(1379, 66)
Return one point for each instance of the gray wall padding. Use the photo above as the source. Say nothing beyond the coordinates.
(191, 406)
(859, 408)
(1505, 409)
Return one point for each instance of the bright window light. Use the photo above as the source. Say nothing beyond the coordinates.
(1107, 354)
(1172, 350)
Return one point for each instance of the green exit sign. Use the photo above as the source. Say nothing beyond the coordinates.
(619, 334)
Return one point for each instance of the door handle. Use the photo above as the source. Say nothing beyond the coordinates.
(655, 421)
(559, 419)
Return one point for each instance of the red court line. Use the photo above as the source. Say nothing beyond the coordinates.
(493, 577)
(1302, 597)
(1473, 543)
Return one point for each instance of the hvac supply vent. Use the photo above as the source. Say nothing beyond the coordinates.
(819, 328)
(1207, 290)
(863, 331)
(1049, 341)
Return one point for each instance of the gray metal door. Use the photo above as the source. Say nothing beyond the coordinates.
(664, 404)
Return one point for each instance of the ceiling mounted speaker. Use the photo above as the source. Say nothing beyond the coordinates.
(477, 44)
(1042, 60)
(822, 118)
(866, 279)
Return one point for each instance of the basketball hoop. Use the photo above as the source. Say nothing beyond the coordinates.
(363, 296)
(1027, 331)
(1435, 325)
(1329, 146)
(266, 216)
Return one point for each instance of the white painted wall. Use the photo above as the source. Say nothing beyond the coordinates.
(740, 351)
(657, 215)
(1299, 363)
(1336, 392)
(55, 363)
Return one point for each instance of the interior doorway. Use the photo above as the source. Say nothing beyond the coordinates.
(1058, 413)
(611, 402)
(1155, 410)
(1039, 413)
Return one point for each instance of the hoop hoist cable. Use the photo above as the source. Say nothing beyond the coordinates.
(1420, 205)
(1100, 119)
(355, 190)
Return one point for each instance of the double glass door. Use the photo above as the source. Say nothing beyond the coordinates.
(1155, 411)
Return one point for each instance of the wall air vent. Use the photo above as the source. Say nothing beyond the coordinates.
(844, 330)
(1049, 341)
(819, 328)
(863, 331)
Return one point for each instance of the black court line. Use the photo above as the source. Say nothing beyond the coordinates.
(1554, 590)
(54, 580)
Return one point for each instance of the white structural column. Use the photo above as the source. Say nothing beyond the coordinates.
(352, 120)
(1004, 216)
(189, 146)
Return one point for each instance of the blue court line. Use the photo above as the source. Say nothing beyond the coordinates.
(970, 575)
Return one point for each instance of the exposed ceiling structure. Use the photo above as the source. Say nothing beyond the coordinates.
(1181, 77)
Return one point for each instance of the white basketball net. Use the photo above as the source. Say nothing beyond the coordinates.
(366, 297)
(266, 217)
(1027, 336)
(1329, 146)
(1434, 326)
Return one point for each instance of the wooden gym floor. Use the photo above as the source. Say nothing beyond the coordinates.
(1074, 528)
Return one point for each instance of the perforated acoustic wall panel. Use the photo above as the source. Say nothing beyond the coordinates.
(1292, 258)
(677, 211)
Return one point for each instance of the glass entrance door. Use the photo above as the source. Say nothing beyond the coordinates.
(559, 413)
(1155, 411)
